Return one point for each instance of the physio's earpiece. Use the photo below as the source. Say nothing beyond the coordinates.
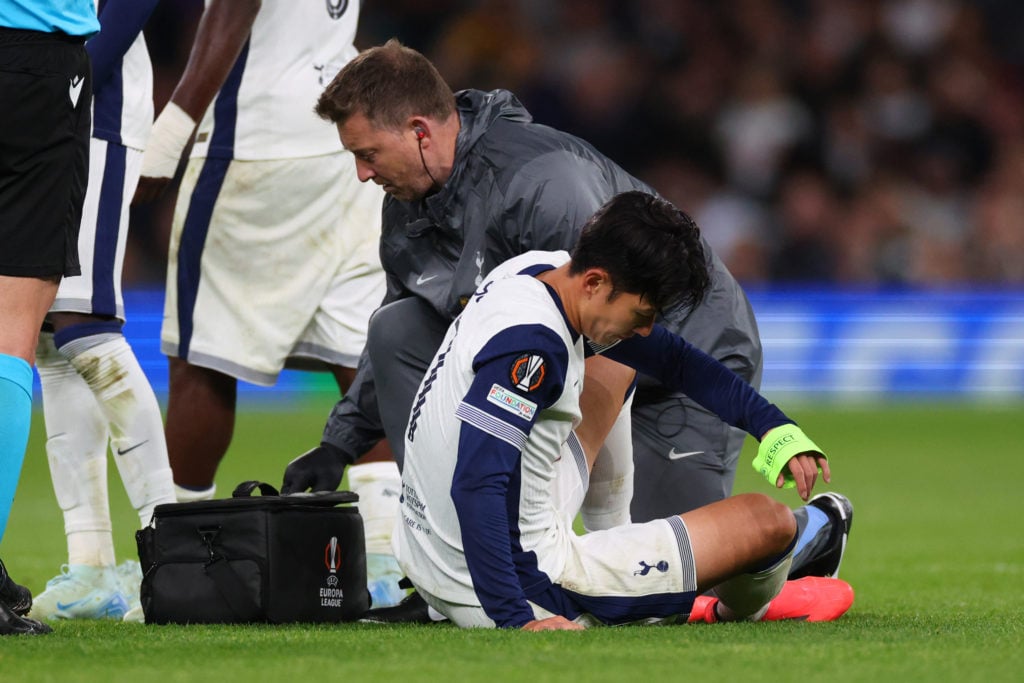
(420, 134)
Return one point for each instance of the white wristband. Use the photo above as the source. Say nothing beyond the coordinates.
(171, 132)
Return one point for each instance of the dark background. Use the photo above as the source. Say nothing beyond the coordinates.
(839, 142)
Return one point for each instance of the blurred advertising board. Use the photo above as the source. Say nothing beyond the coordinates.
(894, 344)
(819, 343)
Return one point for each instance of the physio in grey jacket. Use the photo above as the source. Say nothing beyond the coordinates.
(471, 181)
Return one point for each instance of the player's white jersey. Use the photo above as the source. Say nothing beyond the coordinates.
(265, 108)
(123, 106)
(509, 311)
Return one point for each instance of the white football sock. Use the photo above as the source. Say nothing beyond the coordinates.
(610, 491)
(746, 597)
(128, 403)
(76, 448)
(379, 486)
(184, 495)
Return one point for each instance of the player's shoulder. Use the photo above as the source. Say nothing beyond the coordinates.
(511, 296)
(527, 264)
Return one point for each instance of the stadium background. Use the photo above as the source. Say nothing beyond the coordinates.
(858, 164)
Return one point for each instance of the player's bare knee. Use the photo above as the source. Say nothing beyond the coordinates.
(778, 525)
(785, 524)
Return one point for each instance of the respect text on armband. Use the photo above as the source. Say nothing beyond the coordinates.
(776, 445)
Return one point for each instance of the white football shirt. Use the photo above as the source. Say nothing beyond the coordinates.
(265, 108)
(123, 108)
(514, 319)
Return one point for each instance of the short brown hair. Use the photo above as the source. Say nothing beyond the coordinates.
(387, 84)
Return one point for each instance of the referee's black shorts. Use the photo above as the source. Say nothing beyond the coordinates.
(46, 93)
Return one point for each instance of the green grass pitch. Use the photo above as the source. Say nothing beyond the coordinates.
(936, 558)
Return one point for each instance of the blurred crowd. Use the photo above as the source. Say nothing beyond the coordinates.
(851, 142)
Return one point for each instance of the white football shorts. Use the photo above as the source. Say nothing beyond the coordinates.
(607, 575)
(113, 176)
(629, 573)
(272, 263)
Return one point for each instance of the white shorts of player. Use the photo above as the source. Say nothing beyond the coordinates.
(103, 232)
(629, 561)
(289, 271)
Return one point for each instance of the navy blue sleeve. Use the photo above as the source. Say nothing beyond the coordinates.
(121, 21)
(518, 374)
(683, 367)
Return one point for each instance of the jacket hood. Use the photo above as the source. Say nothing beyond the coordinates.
(478, 110)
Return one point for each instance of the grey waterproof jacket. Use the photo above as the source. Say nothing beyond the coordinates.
(515, 186)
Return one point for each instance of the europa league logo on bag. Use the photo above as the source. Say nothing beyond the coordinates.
(332, 595)
(332, 558)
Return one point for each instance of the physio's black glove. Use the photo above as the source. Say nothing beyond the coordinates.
(318, 469)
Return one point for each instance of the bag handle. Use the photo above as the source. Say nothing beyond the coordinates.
(320, 498)
(245, 489)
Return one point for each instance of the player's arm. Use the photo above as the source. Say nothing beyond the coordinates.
(222, 32)
(787, 458)
(555, 623)
(220, 37)
(121, 21)
(497, 415)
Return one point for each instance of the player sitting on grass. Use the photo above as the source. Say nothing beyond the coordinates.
(493, 473)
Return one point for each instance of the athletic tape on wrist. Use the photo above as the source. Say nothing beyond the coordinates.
(778, 446)
(171, 132)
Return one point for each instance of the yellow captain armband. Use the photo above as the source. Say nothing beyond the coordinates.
(777, 447)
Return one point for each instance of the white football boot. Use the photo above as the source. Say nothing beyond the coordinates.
(81, 592)
(129, 578)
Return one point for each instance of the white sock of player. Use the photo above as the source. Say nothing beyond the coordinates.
(184, 495)
(610, 491)
(746, 597)
(76, 448)
(379, 486)
(126, 399)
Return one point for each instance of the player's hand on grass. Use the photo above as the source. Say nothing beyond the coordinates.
(318, 469)
(787, 458)
(555, 623)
